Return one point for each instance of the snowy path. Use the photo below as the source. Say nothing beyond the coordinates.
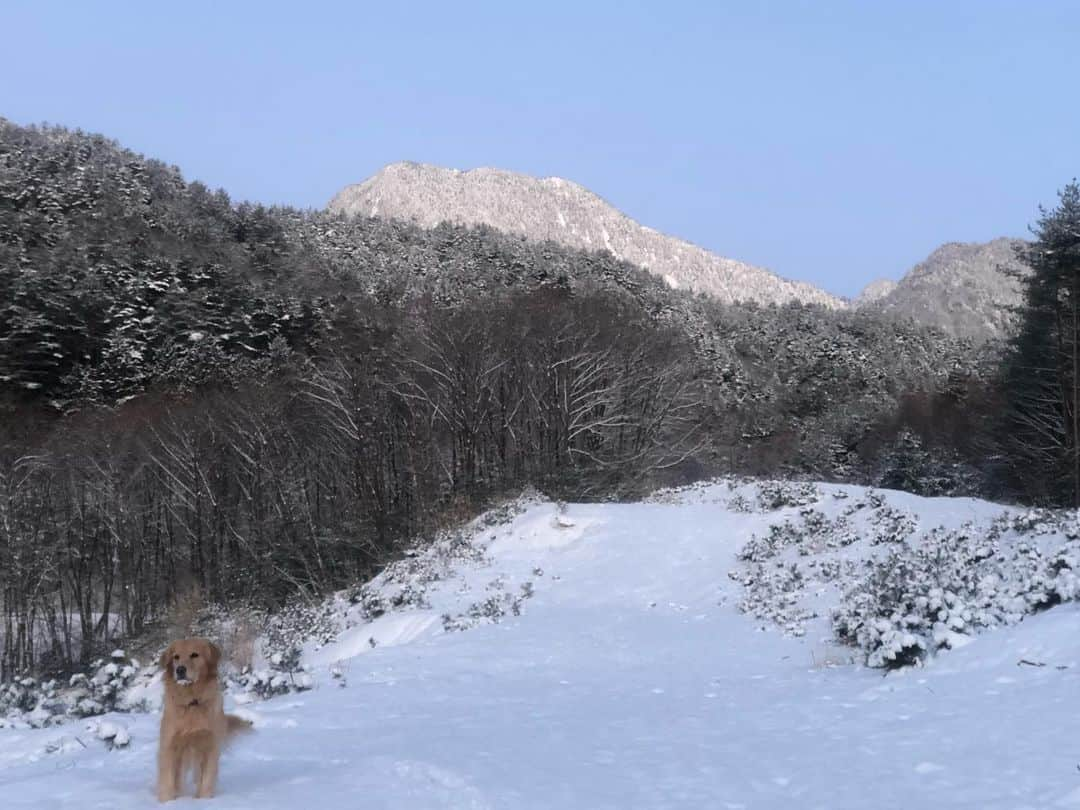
(625, 684)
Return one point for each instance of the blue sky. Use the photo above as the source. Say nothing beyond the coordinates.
(832, 142)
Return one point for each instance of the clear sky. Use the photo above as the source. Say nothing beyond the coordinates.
(833, 142)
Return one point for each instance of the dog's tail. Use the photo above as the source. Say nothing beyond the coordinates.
(237, 725)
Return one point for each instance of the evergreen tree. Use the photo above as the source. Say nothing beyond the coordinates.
(1041, 376)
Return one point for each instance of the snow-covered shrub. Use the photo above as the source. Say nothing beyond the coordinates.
(773, 495)
(102, 689)
(830, 569)
(371, 602)
(812, 532)
(299, 623)
(772, 593)
(491, 610)
(738, 503)
(1039, 522)
(286, 673)
(877, 616)
(917, 600)
(113, 735)
(891, 525)
(758, 549)
(505, 512)
(286, 634)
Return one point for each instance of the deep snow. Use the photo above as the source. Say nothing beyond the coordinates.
(629, 680)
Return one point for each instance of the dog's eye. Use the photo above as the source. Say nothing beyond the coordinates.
(176, 658)
(194, 655)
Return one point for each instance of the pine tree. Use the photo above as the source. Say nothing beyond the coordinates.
(1042, 369)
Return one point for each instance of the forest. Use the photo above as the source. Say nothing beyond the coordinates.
(265, 404)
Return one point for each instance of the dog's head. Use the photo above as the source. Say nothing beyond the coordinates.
(190, 661)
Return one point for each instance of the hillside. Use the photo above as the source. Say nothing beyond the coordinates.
(557, 210)
(598, 656)
(197, 378)
(118, 276)
(965, 289)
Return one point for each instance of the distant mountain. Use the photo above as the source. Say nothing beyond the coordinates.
(560, 211)
(966, 289)
(874, 291)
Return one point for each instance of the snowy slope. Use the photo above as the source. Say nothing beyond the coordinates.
(620, 674)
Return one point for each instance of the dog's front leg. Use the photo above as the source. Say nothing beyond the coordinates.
(168, 774)
(208, 772)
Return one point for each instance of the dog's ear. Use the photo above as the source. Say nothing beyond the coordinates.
(166, 657)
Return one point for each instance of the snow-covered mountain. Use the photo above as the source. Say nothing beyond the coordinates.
(677, 653)
(560, 211)
(874, 291)
(967, 289)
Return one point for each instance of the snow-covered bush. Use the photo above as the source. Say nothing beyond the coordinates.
(917, 600)
(891, 525)
(813, 532)
(113, 735)
(772, 593)
(299, 623)
(491, 610)
(285, 673)
(102, 689)
(894, 590)
(773, 495)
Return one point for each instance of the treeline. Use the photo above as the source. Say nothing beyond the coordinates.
(313, 476)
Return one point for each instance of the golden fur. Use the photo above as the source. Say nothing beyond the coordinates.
(194, 725)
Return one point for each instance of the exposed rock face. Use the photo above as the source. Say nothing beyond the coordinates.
(564, 212)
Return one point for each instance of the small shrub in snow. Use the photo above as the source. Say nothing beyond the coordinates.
(338, 674)
(113, 735)
(773, 495)
(772, 593)
(102, 689)
(831, 569)
(506, 512)
(891, 525)
(404, 583)
(813, 532)
(738, 503)
(301, 623)
(285, 674)
(491, 610)
(1038, 522)
(371, 602)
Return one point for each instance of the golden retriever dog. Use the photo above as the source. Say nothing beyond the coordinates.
(194, 726)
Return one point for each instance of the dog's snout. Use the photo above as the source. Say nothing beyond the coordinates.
(181, 671)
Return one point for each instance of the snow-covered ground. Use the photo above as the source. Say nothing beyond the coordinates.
(595, 656)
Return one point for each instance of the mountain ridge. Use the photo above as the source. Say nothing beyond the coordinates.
(970, 289)
(560, 210)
